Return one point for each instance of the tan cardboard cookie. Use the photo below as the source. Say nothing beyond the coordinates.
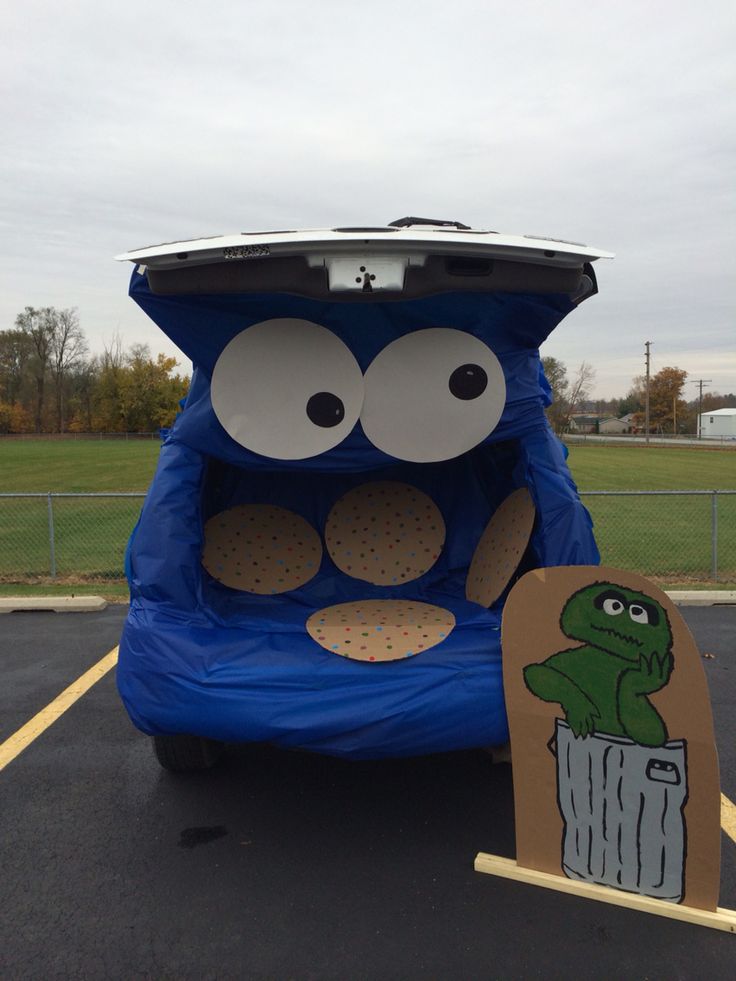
(380, 630)
(500, 548)
(261, 548)
(385, 532)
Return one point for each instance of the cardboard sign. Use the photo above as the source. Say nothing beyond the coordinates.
(500, 548)
(615, 767)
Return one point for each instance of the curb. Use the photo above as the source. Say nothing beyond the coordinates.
(92, 604)
(55, 604)
(702, 597)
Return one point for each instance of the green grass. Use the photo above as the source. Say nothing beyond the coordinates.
(71, 465)
(665, 538)
(117, 465)
(668, 539)
(90, 535)
(597, 467)
(113, 592)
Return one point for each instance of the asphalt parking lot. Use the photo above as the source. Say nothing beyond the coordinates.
(286, 865)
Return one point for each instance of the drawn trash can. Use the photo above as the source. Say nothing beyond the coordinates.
(622, 807)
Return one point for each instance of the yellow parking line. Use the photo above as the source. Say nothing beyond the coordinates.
(728, 817)
(15, 744)
(23, 737)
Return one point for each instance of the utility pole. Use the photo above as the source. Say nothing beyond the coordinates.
(700, 382)
(646, 398)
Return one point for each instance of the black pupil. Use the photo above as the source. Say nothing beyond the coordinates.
(468, 382)
(325, 409)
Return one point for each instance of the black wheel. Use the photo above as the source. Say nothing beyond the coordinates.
(182, 753)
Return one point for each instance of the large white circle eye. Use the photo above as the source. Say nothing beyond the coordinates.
(638, 614)
(432, 395)
(287, 389)
(613, 607)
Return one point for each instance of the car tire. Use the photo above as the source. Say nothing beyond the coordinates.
(183, 754)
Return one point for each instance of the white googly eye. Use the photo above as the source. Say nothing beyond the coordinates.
(287, 389)
(638, 614)
(432, 395)
(613, 607)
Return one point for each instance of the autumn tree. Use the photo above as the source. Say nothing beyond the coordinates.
(137, 394)
(48, 381)
(667, 408)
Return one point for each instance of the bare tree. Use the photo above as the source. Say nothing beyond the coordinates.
(114, 357)
(579, 389)
(68, 348)
(556, 375)
(35, 324)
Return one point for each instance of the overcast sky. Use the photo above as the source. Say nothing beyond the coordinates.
(611, 124)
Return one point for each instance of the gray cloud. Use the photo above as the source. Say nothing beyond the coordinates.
(608, 125)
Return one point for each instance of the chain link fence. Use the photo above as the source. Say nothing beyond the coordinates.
(670, 536)
(73, 538)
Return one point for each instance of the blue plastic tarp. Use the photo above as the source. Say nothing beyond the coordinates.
(199, 657)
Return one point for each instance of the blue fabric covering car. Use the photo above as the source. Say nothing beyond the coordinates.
(201, 658)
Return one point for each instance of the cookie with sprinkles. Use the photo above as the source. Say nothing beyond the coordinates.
(380, 630)
(500, 548)
(385, 533)
(261, 548)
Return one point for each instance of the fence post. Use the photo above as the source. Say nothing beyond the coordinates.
(714, 535)
(52, 542)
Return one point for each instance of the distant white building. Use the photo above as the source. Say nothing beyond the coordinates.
(612, 425)
(719, 422)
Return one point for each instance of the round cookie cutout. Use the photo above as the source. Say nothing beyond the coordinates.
(385, 533)
(380, 630)
(500, 548)
(261, 548)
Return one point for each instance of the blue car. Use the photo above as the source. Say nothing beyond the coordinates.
(360, 472)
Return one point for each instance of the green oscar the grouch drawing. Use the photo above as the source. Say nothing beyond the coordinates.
(626, 656)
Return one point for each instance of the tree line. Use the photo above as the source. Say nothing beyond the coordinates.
(670, 411)
(50, 383)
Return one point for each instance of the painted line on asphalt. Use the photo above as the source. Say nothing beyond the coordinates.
(728, 817)
(23, 737)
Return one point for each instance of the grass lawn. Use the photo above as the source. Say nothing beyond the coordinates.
(117, 465)
(113, 592)
(638, 467)
(668, 539)
(77, 465)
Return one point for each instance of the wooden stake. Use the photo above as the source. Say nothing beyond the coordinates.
(719, 919)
